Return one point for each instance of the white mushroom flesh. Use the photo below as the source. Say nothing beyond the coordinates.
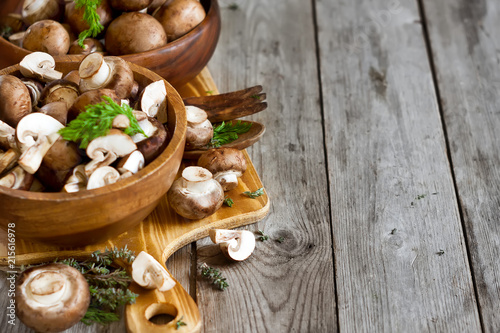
(47, 288)
(134, 163)
(94, 71)
(31, 158)
(237, 245)
(34, 126)
(148, 128)
(227, 177)
(196, 179)
(77, 181)
(150, 274)
(154, 100)
(39, 65)
(103, 176)
(7, 135)
(195, 115)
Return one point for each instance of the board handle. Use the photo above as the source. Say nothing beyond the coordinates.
(175, 302)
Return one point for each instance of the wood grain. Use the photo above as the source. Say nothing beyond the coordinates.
(465, 46)
(393, 201)
(288, 286)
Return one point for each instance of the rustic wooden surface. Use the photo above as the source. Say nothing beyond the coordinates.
(381, 159)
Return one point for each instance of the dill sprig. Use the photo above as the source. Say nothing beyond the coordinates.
(227, 132)
(214, 275)
(254, 194)
(97, 120)
(91, 17)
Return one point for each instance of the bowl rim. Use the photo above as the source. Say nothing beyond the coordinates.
(176, 140)
(211, 14)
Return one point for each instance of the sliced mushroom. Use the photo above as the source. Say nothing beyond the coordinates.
(40, 66)
(17, 38)
(196, 194)
(77, 181)
(121, 121)
(153, 146)
(236, 245)
(37, 10)
(60, 91)
(98, 72)
(150, 274)
(154, 100)
(103, 176)
(7, 137)
(47, 36)
(15, 100)
(199, 130)
(31, 158)
(51, 297)
(17, 179)
(226, 164)
(105, 150)
(8, 159)
(132, 163)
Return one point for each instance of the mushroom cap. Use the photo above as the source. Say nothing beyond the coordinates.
(178, 17)
(15, 100)
(236, 245)
(39, 65)
(133, 162)
(60, 91)
(103, 176)
(33, 126)
(74, 16)
(129, 5)
(90, 45)
(57, 110)
(116, 142)
(199, 130)
(88, 98)
(47, 36)
(195, 195)
(37, 10)
(226, 164)
(51, 297)
(150, 274)
(134, 32)
(154, 145)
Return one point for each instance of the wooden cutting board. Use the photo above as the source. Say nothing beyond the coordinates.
(161, 234)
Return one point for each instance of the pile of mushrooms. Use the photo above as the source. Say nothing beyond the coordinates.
(52, 26)
(35, 107)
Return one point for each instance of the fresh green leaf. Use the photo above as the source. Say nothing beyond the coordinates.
(214, 275)
(97, 121)
(227, 132)
(255, 194)
(95, 315)
(91, 17)
(228, 201)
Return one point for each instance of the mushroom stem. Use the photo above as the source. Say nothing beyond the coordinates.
(47, 288)
(94, 71)
(196, 179)
(228, 177)
(150, 274)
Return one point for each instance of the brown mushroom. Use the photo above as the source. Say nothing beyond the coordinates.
(195, 194)
(147, 34)
(8, 159)
(51, 297)
(129, 5)
(17, 179)
(88, 98)
(178, 17)
(35, 88)
(74, 16)
(17, 38)
(156, 142)
(73, 76)
(226, 164)
(37, 10)
(57, 110)
(60, 91)
(15, 100)
(90, 45)
(47, 36)
(199, 130)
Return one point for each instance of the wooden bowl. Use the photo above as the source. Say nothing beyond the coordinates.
(90, 216)
(178, 61)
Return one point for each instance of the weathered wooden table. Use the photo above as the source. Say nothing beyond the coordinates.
(382, 163)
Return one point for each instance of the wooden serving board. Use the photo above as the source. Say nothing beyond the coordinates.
(161, 234)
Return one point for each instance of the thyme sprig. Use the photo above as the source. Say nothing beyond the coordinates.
(97, 121)
(254, 194)
(228, 132)
(179, 323)
(228, 201)
(214, 275)
(91, 17)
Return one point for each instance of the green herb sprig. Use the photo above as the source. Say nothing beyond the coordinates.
(228, 201)
(262, 236)
(254, 194)
(214, 275)
(97, 120)
(179, 323)
(91, 17)
(228, 132)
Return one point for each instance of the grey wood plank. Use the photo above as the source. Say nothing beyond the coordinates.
(386, 149)
(282, 287)
(465, 44)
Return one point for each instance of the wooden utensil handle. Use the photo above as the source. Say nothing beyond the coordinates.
(175, 302)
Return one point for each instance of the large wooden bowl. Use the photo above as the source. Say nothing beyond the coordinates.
(77, 219)
(178, 61)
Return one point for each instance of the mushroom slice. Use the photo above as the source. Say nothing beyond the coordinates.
(33, 127)
(17, 38)
(105, 150)
(150, 274)
(121, 121)
(77, 181)
(7, 136)
(147, 127)
(103, 176)
(226, 164)
(39, 65)
(236, 245)
(8, 159)
(31, 158)
(17, 179)
(199, 129)
(154, 100)
(51, 297)
(35, 89)
(132, 163)
(196, 194)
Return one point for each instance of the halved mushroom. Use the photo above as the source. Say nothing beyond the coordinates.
(37, 10)
(98, 72)
(40, 66)
(33, 127)
(60, 91)
(236, 245)
(226, 164)
(103, 176)
(31, 158)
(132, 163)
(15, 100)
(77, 181)
(51, 297)
(199, 130)
(8, 159)
(47, 36)
(150, 274)
(105, 150)
(17, 179)
(154, 100)
(196, 194)
(121, 121)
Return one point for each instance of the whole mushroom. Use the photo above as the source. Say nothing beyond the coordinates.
(199, 130)
(15, 100)
(47, 36)
(51, 297)
(37, 10)
(74, 16)
(178, 17)
(226, 164)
